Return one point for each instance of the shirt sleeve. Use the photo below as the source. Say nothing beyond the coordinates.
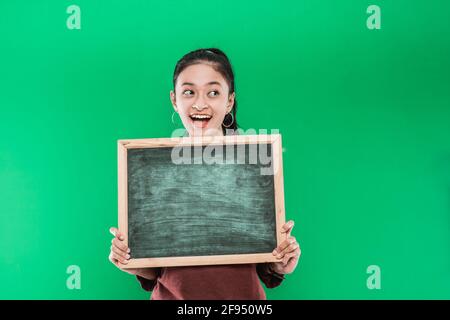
(147, 284)
(271, 280)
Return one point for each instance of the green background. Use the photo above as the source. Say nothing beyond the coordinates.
(364, 114)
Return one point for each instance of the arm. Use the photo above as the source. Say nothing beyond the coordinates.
(147, 277)
(120, 254)
(270, 278)
(148, 273)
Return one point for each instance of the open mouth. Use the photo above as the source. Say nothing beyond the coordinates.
(200, 120)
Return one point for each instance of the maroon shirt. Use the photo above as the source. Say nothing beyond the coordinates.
(214, 282)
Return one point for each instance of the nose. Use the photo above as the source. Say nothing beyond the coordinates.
(200, 102)
(195, 106)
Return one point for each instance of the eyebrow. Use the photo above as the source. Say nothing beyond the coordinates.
(209, 83)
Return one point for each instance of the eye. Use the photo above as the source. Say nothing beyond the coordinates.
(213, 93)
(187, 92)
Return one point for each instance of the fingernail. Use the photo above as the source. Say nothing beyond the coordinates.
(274, 252)
(128, 250)
(121, 238)
(127, 256)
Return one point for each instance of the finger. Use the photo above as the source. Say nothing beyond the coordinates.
(119, 252)
(293, 255)
(113, 231)
(290, 248)
(287, 227)
(119, 258)
(111, 258)
(285, 244)
(288, 257)
(116, 233)
(281, 247)
(122, 246)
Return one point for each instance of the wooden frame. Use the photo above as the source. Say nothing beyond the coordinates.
(273, 139)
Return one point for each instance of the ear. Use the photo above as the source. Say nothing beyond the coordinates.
(230, 102)
(173, 100)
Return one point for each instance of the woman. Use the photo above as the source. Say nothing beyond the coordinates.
(204, 98)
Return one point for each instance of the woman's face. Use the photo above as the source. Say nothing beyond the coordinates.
(202, 99)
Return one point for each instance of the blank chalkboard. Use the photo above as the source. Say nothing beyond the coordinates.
(188, 202)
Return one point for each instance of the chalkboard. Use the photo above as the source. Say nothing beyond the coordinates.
(198, 201)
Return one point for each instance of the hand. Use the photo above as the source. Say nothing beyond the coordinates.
(120, 252)
(289, 250)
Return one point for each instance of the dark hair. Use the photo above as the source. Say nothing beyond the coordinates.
(221, 64)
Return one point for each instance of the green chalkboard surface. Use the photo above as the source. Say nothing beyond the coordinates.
(198, 209)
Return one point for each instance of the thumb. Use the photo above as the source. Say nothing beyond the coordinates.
(116, 233)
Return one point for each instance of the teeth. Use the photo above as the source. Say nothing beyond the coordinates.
(200, 116)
